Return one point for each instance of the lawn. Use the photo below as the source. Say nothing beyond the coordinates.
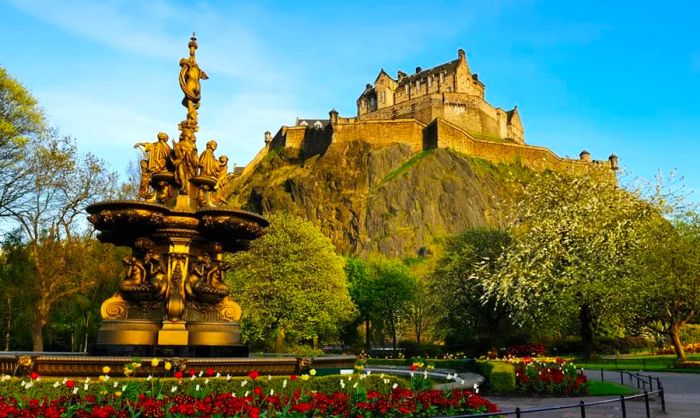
(596, 388)
(648, 363)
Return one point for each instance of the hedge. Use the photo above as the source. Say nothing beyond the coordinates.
(499, 375)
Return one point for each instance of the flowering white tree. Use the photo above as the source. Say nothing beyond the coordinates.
(570, 256)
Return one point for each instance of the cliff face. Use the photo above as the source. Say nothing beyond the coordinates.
(387, 200)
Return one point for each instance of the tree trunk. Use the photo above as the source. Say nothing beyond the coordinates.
(367, 339)
(586, 332)
(87, 324)
(279, 341)
(677, 343)
(37, 335)
(8, 324)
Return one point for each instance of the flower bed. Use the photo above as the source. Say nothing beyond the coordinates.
(206, 393)
(548, 376)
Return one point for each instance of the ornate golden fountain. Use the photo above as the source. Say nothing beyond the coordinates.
(173, 299)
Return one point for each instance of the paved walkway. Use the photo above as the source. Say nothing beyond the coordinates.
(682, 393)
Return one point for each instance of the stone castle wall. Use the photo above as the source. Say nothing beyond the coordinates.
(441, 133)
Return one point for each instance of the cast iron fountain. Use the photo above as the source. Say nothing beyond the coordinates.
(173, 299)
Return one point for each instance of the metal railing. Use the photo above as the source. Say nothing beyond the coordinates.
(634, 378)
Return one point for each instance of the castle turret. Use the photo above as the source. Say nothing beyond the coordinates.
(585, 156)
(268, 138)
(613, 162)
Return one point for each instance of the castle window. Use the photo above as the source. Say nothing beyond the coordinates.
(408, 89)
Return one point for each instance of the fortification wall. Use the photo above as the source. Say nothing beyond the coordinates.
(381, 133)
(537, 158)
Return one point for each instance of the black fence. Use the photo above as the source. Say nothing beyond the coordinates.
(641, 381)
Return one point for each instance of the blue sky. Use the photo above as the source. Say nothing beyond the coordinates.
(620, 77)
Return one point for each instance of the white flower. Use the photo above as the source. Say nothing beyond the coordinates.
(381, 376)
(201, 372)
(463, 382)
(243, 383)
(117, 384)
(369, 372)
(149, 377)
(28, 385)
(476, 386)
(355, 385)
(245, 395)
(411, 375)
(218, 375)
(206, 381)
(342, 384)
(196, 388)
(193, 377)
(395, 385)
(269, 377)
(22, 383)
(233, 394)
(386, 381)
(173, 389)
(272, 392)
(284, 384)
(75, 390)
(5, 377)
(56, 384)
(86, 386)
(123, 388)
(107, 377)
(228, 377)
(63, 382)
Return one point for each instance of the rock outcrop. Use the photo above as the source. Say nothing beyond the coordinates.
(368, 199)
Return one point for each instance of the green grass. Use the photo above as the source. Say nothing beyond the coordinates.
(596, 388)
(647, 363)
(405, 166)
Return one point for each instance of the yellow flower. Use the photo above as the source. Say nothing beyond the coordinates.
(118, 393)
(304, 377)
(101, 378)
(106, 369)
(167, 365)
(312, 372)
(127, 371)
(155, 362)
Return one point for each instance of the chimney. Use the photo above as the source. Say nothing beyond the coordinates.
(418, 69)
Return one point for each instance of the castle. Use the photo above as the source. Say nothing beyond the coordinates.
(440, 107)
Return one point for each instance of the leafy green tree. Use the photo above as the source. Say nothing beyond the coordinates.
(21, 121)
(382, 288)
(573, 237)
(668, 271)
(15, 267)
(464, 311)
(361, 293)
(291, 285)
(46, 184)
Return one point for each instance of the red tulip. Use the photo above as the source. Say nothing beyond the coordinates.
(253, 375)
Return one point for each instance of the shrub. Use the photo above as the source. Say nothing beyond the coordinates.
(500, 375)
(524, 350)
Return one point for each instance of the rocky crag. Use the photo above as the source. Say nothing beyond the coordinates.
(386, 199)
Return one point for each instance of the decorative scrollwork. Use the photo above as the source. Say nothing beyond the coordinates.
(114, 308)
(229, 310)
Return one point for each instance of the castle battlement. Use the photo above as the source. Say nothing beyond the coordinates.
(441, 107)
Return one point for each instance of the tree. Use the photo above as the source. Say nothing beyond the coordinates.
(382, 290)
(571, 255)
(46, 185)
(15, 267)
(465, 314)
(668, 268)
(291, 285)
(361, 293)
(21, 121)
